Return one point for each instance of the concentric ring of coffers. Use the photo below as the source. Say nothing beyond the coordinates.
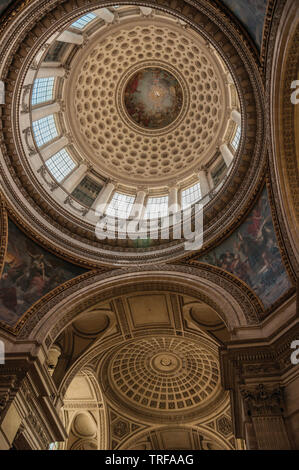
(102, 132)
(164, 376)
(70, 180)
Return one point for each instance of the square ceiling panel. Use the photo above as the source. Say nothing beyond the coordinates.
(149, 309)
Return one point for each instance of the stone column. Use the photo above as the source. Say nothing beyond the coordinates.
(204, 183)
(173, 205)
(104, 14)
(236, 116)
(72, 38)
(103, 198)
(226, 154)
(75, 177)
(138, 206)
(43, 111)
(263, 383)
(263, 407)
(54, 147)
(45, 72)
(28, 399)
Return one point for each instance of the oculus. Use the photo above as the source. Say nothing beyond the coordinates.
(153, 98)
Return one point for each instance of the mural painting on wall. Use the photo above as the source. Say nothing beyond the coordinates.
(252, 254)
(252, 14)
(29, 272)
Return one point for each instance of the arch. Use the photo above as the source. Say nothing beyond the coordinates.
(92, 416)
(283, 122)
(236, 305)
(207, 437)
(76, 242)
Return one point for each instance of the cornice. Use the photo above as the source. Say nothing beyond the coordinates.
(221, 212)
(248, 302)
(285, 152)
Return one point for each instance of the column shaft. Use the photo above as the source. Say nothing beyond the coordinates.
(173, 199)
(236, 116)
(226, 154)
(54, 147)
(138, 206)
(204, 183)
(43, 111)
(102, 200)
(75, 177)
(105, 14)
(2, 92)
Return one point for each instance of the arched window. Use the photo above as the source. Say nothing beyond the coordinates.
(236, 139)
(156, 207)
(120, 205)
(83, 21)
(60, 165)
(44, 130)
(191, 195)
(54, 446)
(42, 90)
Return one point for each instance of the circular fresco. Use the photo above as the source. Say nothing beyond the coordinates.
(153, 98)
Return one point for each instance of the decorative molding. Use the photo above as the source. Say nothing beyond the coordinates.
(43, 171)
(3, 234)
(28, 133)
(263, 401)
(221, 212)
(249, 303)
(288, 152)
(81, 210)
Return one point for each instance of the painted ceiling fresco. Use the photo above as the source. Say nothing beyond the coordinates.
(153, 98)
(252, 254)
(28, 274)
(252, 14)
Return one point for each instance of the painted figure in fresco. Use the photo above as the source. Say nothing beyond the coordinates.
(251, 13)
(8, 293)
(29, 272)
(252, 254)
(134, 83)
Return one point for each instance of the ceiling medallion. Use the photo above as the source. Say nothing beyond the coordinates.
(152, 97)
(166, 362)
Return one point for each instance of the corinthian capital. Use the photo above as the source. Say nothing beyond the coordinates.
(263, 401)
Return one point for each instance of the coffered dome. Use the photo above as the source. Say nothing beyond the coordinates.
(148, 103)
(140, 113)
(163, 376)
